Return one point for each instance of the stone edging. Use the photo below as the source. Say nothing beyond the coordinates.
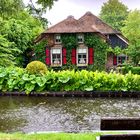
(91, 94)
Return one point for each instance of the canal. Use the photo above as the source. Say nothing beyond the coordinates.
(33, 114)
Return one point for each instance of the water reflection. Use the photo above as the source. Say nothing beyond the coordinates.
(29, 114)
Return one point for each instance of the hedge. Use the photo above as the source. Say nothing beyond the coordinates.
(18, 79)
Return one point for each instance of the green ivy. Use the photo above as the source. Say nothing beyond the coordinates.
(100, 51)
(116, 50)
(69, 42)
(39, 50)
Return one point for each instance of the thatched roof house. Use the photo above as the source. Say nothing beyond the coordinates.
(88, 23)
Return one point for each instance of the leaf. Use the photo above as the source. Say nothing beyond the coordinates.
(90, 88)
(63, 79)
(3, 74)
(40, 81)
(29, 87)
(25, 77)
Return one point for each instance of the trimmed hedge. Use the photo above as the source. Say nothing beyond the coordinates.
(134, 70)
(18, 79)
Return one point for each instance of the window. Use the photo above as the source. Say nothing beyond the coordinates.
(80, 38)
(121, 59)
(56, 56)
(57, 39)
(82, 56)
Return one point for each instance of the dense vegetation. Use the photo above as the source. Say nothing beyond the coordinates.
(18, 79)
(19, 26)
(114, 12)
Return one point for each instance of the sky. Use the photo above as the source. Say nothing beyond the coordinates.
(63, 8)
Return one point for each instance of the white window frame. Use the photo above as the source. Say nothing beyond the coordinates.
(58, 37)
(121, 55)
(78, 64)
(52, 64)
(80, 36)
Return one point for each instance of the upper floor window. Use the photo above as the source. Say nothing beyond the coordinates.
(82, 56)
(57, 39)
(80, 38)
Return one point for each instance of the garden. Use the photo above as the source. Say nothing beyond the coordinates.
(27, 115)
(36, 78)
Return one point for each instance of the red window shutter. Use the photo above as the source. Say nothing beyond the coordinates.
(47, 56)
(64, 56)
(73, 56)
(90, 56)
(114, 60)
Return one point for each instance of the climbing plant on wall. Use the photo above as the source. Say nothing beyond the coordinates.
(39, 50)
(69, 42)
(100, 50)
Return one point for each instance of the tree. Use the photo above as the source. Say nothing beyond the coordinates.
(132, 31)
(38, 12)
(21, 31)
(6, 52)
(114, 13)
(46, 3)
(9, 8)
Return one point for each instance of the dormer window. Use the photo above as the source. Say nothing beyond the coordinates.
(80, 38)
(57, 39)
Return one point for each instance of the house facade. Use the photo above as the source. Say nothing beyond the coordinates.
(82, 55)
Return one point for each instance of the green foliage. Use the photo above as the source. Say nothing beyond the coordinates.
(69, 42)
(6, 52)
(46, 3)
(131, 31)
(10, 8)
(17, 79)
(39, 50)
(21, 31)
(114, 13)
(116, 50)
(134, 70)
(36, 67)
(100, 50)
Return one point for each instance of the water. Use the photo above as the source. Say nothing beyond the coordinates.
(33, 114)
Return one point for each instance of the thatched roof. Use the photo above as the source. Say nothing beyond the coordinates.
(87, 23)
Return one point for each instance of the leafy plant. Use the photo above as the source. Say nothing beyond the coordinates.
(18, 79)
(36, 67)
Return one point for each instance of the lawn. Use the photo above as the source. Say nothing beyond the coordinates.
(54, 136)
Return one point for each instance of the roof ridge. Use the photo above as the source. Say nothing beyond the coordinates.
(69, 17)
(89, 13)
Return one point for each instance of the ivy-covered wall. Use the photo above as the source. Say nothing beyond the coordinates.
(100, 50)
(69, 41)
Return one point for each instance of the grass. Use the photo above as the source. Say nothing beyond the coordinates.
(53, 136)
(50, 136)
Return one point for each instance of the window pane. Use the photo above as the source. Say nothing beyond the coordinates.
(56, 58)
(82, 50)
(58, 38)
(82, 58)
(80, 38)
(56, 51)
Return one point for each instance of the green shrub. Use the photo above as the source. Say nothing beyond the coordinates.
(36, 67)
(18, 79)
(134, 70)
